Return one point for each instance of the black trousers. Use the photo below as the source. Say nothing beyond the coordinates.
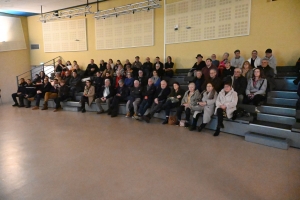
(180, 109)
(114, 106)
(58, 100)
(21, 98)
(256, 99)
(83, 100)
(156, 107)
(38, 98)
(220, 116)
(168, 105)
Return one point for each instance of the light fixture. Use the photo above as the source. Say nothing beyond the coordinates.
(127, 9)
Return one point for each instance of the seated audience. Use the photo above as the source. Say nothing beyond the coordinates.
(206, 104)
(225, 105)
(199, 65)
(214, 79)
(75, 85)
(160, 72)
(129, 80)
(67, 78)
(121, 96)
(79, 71)
(227, 71)
(127, 64)
(116, 79)
(215, 62)
(121, 70)
(108, 76)
(198, 80)
(189, 100)
(102, 66)
(207, 68)
(256, 89)
(142, 79)
(169, 67)
(105, 95)
(58, 76)
(272, 60)
(136, 66)
(88, 95)
(36, 79)
(63, 94)
(147, 68)
(239, 84)
(75, 66)
(41, 91)
(42, 76)
(160, 98)
(148, 97)
(254, 60)
(268, 73)
(173, 101)
(98, 82)
(68, 65)
(29, 94)
(52, 94)
(91, 69)
(225, 58)
(134, 99)
(247, 71)
(109, 70)
(156, 80)
(59, 67)
(117, 65)
(238, 60)
(20, 93)
(157, 61)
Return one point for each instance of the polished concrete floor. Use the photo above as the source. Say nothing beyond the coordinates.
(67, 155)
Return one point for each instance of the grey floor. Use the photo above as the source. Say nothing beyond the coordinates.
(67, 155)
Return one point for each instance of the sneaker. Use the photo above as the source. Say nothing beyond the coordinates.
(256, 110)
(128, 114)
(137, 117)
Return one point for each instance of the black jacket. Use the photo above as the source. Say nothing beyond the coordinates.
(198, 82)
(162, 94)
(63, 90)
(98, 83)
(149, 92)
(216, 82)
(30, 90)
(88, 71)
(111, 92)
(44, 88)
(147, 68)
(143, 80)
(227, 72)
(22, 88)
(239, 85)
(75, 82)
(175, 94)
(268, 71)
(136, 92)
(198, 67)
(123, 91)
(102, 67)
(67, 79)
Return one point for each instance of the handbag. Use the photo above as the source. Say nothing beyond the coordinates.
(182, 123)
(172, 120)
(173, 100)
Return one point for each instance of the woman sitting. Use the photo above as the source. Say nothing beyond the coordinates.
(256, 89)
(173, 100)
(225, 105)
(169, 67)
(156, 79)
(247, 71)
(228, 71)
(88, 95)
(129, 80)
(190, 99)
(205, 105)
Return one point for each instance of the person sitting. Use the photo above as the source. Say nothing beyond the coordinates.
(256, 89)
(216, 81)
(121, 70)
(108, 76)
(268, 73)
(79, 71)
(142, 79)
(75, 85)
(136, 66)
(190, 99)
(21, 91)
(254, 60)
(30, 93)
(160, 98)
(88, 95)
(63, 94)
(272, 60)
(41, 91)
(68, 65)
(36, 79)
(207, 68)
(116, 67)
(159, 66)
(59, 67)
(64, 69)
(102, 66)
(116, 79)
(75, 66)
(225, 105)
(127, 64)
(129, 80)
(108, 70)
(198, 80)
(169, 67)
(238, 60)
(105, 95)
(91, 69)
(247, 71)
(147, 68)
(239, 84)
(227, 71)
(215, 62)
(98, 82)
(155, 78)
(206, 104)
(58, 76)
(121, 96)
(52, 94)
(134, 99)
(148, 97)
(67, 78)
(173, 101)
(225, 58)
(42, 76)
(111, 63)
(199, 65)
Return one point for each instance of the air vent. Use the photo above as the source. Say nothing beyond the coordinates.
(34, 46)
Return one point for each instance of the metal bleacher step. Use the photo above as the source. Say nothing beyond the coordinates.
(270, 128)
(283, 111)
(276, 118)
(283, 94)
(282, 101)
(276, 142)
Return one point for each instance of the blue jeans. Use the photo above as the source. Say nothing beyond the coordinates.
(146, 103)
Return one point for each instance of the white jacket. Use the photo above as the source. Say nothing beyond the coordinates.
(229, 100)
(257, 62)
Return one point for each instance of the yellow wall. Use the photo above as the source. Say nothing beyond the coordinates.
(13, 63)
(273, 25)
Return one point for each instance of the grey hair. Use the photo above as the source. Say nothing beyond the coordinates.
(121, 81)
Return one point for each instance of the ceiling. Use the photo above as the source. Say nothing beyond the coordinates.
(32, 7)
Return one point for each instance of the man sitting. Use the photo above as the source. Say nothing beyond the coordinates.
(215, 62)
(91, 69)
(63, 94)
(52, 94)
(239, 84)
(160, 98)
(67, 78)
(142, 79)
(75, 85)
(134, 99)
(272, 60)
(105, 95)
(121, 96)
(21, 91)
(136, 66)
(59, 67)
(40, 93)
(147, 68)
(199, 65)
(238, 60)
(214, 80)
(207, 68)
(254, 60)
(98, 82)
(268, 72)
(198, 80)
(227, 71)
(29, 94)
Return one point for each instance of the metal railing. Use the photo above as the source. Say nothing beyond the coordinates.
(47, 67)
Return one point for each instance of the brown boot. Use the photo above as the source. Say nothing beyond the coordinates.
(35, 108)
(57, 109)
(128, 114)
(45, 107)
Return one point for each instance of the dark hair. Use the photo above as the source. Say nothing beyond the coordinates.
(211, 84)
(170, 58)
(157, 57)
(237, 51)
(262, 74)
(209, 59)
(176, 83)
(88, 81)
(228, 83)
(268, 51)
(254, 51)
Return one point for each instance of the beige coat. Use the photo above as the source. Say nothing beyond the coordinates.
(229, 100)
(208, 109)
(90, 93)
(193, 100)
